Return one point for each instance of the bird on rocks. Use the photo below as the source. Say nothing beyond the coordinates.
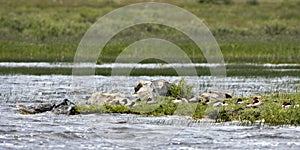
(150, 101)
(256, 102)
(289, 104)
(207, 101)
(286, 104)
(239, 101)
(220, 104)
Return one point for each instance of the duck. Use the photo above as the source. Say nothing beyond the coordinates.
(207, 101)
(289, 104)
(220, 104)
(286, 104)
(239, 101)
(248, 105)
(150, 101)
(256, 102)
(224, 103)
(177, 101)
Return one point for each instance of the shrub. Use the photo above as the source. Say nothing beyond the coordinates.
(182, 89)
(167, 108)
(223, 116)
(200, 111)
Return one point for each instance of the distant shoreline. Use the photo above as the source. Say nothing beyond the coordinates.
(153, 69)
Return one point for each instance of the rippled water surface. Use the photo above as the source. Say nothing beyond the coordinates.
(115, 131)
(128, 131)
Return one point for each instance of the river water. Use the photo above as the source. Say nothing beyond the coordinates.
(116, 131)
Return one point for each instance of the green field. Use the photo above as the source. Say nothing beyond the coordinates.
(50, 31)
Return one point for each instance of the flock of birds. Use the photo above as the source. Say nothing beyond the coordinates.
(256, 102)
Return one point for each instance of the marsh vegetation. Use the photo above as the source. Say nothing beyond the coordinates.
(267, 32)
(271, 112)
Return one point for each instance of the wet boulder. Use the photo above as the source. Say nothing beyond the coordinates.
(65, 107)
(101, 98)
(149, 89)
(195, 99)
(36, 108)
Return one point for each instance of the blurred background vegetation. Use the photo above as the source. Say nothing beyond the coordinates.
(248, 31)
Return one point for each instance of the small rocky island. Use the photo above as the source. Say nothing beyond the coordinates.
(159, 97)
(148, 92)
(145, 92)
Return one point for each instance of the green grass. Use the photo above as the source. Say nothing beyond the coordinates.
(271, 112)
(33, 30)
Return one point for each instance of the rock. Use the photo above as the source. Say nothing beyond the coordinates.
(65, 107)
(100, 98)
(150, 89)
(161, 87)
(215, 95)
(37, 108)
(194, 100)
(143, 90)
